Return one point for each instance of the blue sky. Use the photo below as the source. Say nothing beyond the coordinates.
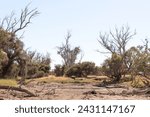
(84, 18)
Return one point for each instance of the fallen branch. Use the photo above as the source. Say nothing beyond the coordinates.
(142, 92)
(18, 89)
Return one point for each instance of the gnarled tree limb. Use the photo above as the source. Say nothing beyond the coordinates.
(18, 89)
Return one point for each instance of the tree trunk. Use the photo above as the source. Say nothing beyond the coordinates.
(6, 68)
(117, 78)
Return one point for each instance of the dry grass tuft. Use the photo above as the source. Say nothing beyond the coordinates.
(8, 82)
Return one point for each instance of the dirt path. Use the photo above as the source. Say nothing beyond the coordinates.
(73, 91)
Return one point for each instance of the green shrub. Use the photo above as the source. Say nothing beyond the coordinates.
(113, 67)
(74, 70)
(13, 71)
(59, 70)
(44, 68)
(40, 74)
(87, 68)
(81, 69)
(98, 71)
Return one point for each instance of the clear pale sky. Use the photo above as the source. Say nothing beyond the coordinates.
(84, 18)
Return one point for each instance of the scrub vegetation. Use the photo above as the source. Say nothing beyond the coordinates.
(21, 70)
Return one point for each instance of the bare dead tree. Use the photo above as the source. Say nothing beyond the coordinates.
(68, 54)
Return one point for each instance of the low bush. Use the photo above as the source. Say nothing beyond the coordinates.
(81, 69)
(59, 70)
(74, 70)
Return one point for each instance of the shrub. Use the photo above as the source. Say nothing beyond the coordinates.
(98, 71)
(81, 69)
(113, 67)
(32, 70)
(59, 70)
(40, 74)
(74, 70)
(87, 68)
(45, 68)
(38, 65)
(13, 71)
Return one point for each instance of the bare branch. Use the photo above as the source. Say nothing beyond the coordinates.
(25, 18)
(116, 42)
(13, 25)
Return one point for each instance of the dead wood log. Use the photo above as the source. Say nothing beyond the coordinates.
(141, 92)
(18, 89)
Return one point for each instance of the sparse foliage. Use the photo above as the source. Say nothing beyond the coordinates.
(116, 43)
(68, 54)
(139, 60)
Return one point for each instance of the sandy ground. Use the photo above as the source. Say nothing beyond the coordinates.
(73, 91)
